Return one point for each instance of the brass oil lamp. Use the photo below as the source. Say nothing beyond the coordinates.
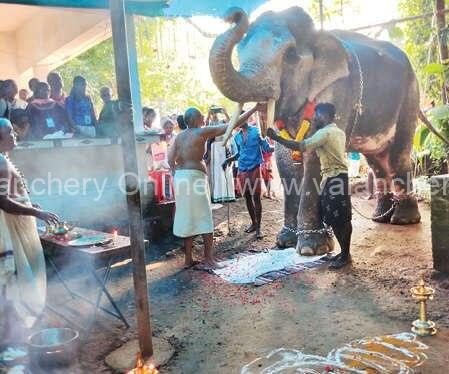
(422, 326)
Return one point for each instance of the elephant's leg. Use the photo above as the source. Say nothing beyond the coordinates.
(380, 165)
(291, 175)
(309, 217)
(406, 211)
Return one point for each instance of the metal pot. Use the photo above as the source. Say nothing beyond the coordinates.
(53, 347)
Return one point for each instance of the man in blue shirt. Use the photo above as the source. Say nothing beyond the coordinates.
(250, 146)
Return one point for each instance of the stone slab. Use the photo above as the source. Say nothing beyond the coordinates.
(123, 359)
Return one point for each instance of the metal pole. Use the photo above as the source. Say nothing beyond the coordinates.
(136, 230)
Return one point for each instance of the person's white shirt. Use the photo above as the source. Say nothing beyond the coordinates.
(19, 104)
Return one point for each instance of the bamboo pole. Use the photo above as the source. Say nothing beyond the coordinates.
(398, 20)
(442, 42)
(321, 14)
(122, 68)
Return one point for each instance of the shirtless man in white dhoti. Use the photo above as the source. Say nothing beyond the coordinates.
(22, 265)
(193, 214)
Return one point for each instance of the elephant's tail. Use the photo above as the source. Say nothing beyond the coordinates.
(432, 129)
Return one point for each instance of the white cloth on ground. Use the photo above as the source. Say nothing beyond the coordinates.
(222, 183)
(246, 268)
(193, 215)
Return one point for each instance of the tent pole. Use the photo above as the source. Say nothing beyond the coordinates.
(442, 41)
(136, 229)
(321, 14)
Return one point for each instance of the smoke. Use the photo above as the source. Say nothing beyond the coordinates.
(84, 185)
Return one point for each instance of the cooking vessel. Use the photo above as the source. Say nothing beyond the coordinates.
(53, 347)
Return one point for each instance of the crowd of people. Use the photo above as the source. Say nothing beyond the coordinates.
(44, 111)
(193, 152)
(186, 159)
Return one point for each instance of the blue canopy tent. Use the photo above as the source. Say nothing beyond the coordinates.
(126, 68)
(153, 8)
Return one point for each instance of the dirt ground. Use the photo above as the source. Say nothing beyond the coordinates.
(218, 327)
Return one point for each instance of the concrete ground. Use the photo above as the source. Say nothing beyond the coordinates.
(218, 327)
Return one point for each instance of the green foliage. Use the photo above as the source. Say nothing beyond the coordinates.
(420, 44)
(428, 149)
(439, 117)
(96, 65)
(167, 82)
(331, 8)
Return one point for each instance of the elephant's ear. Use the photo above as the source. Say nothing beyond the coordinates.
(330, 62)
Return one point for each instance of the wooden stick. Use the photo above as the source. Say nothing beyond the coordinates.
(442, 43)
(136, 230)
(398, 20)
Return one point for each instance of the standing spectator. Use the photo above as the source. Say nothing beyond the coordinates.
(80, 109)
(267, 173)
(181, 123)
(3, 104)
(23, 94)
(7, 97)
(21, 124)
(46, 116)
(212, 117)
(32, 85)
(169, 134)
(149, 115)
(54, 80)
(108, 118)
(250, 146)
(21, 101)
(214, 157)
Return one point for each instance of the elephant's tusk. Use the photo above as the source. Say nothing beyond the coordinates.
(232, 124)
(271, 107)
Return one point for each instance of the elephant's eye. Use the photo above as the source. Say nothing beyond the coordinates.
(291, 56)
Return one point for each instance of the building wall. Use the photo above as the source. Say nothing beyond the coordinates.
(48, 39)
(8, 56)
(82, 180)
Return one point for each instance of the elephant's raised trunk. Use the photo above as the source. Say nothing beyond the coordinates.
(231, 83)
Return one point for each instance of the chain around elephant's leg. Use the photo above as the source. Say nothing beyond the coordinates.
(315, 243)
(406, 212)
(380, 166)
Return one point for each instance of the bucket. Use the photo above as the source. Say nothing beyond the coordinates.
(53, 347)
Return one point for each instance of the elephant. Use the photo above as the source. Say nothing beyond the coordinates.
(285, 61)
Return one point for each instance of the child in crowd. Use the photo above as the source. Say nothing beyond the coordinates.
(267, 173)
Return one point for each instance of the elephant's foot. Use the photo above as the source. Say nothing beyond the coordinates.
(383, 211)
(315, 244)
(286, 238)
(406, 211)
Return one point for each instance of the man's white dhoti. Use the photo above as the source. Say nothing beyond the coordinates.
(24, 278)
(193, 215)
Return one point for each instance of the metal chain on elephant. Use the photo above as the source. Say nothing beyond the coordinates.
(395, 203)
(327, 231)
(359, 105)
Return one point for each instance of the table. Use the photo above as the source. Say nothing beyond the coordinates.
(97, 259)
